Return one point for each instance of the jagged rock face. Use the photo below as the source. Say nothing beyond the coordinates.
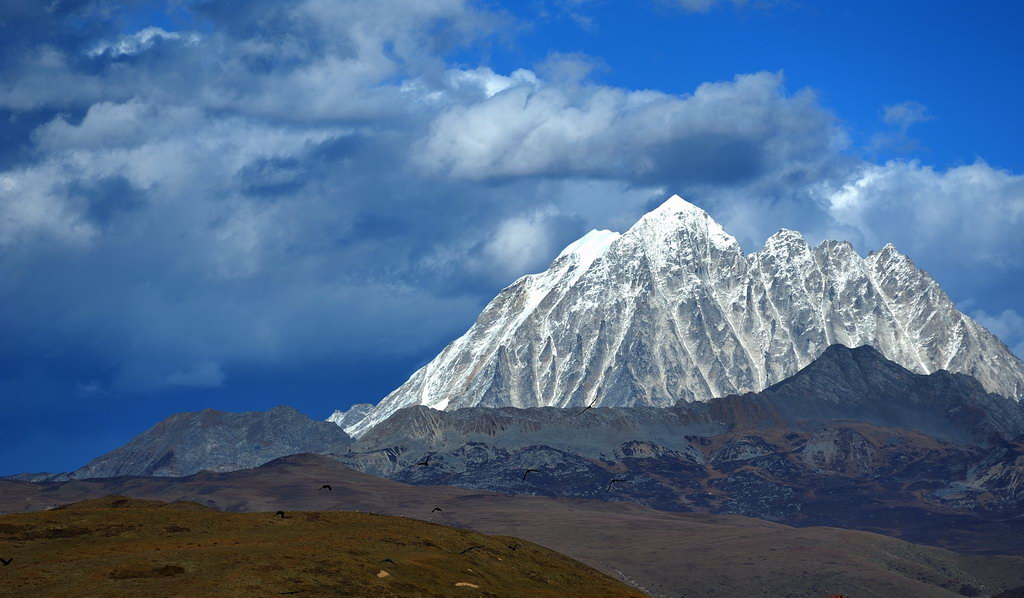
(408, 436)
(1000, 473)
(748, 447)
(186, 443)
(838, 450)
(842, 385)
(673, 310)
(842, 436)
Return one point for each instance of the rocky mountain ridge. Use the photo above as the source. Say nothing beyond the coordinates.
(672, 310)
(186, 443)
(851, 430)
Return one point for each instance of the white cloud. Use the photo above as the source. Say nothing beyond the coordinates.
(141, 41)
(724, 132)
(490, 82)
(905, 114)
(32, 204)
(112, 124)
(522, 243)
(971, 215)
(901, 117)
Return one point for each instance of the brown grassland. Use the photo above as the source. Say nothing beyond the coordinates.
(116, 546)
(664, 554)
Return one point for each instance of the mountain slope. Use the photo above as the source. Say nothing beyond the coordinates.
(673, 310)
(186, 443)
(861, 384)
(852, 440)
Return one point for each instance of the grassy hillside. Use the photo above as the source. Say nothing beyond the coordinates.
(116, 546)
(666, 555)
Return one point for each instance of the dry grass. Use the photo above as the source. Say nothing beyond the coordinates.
(667, 555)
(115, 546)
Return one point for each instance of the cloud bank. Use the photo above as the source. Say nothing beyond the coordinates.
(310, 181)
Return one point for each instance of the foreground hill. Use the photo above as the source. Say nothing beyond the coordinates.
(663, 554)
(116, 546)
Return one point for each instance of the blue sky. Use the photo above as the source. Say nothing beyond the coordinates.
(214, 204)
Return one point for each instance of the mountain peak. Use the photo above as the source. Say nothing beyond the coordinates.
(662, 226)
(676, 204)
(675, 311)
(841, 351)
(674, 210)
(786, 237)
(889, 254)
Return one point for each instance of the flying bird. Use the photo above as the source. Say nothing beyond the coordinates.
(6, 561)
(587, 407)
(470, 548)
(438, 509)
(328, 486)
(280, 514)
(425, 461)
(389, 561)
(528, 471)
(612, 482)
(513, 546)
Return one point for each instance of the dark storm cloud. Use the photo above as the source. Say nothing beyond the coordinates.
(143, 225)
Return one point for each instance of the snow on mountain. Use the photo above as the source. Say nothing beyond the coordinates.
(673, 310)
(354, 414)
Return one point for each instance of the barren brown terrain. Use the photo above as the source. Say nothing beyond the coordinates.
(664, 554)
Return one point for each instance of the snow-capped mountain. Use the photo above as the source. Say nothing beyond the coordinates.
(673, 310)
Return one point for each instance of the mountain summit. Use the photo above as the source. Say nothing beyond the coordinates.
(672, 310)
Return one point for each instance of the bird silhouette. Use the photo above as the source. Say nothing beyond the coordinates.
(528, 471)
(425, 461)
(513, 546)
(612, 482)
(470, 548)
(438, 509)
(7, 561)
(280, 514)
(587, 407)
(328, 486)
(389, 561)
